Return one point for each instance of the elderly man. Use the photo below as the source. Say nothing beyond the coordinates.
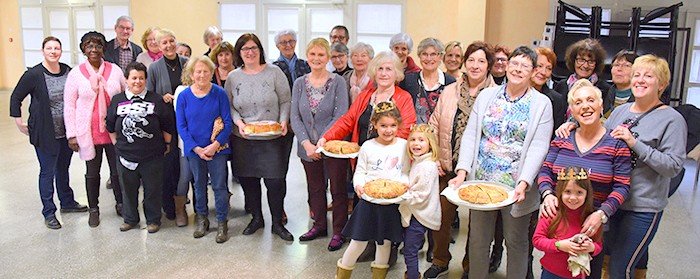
(120, 50)
(339, 33)
(291, 65)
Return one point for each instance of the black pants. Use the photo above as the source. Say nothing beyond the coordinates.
(276, 191)
(151, 174)
(92, 177)
(171, 177)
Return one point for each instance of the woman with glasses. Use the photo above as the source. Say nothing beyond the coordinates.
(499, 68)
(292, 66)
(259, 92)
(148, 41)
(506, 141)
(585, 59)
(358, 79)
(339, 58)
(425, 86)
(621, 91)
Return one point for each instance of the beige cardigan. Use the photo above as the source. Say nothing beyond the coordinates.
(424, 194)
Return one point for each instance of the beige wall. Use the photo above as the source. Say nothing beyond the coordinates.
(11, 62)
(515, 22)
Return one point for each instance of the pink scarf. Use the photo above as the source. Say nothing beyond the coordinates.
(98, 83)
(155, 56)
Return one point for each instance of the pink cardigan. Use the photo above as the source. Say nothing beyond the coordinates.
(79, 102)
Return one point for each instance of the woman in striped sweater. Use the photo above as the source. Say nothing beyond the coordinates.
(591, 147)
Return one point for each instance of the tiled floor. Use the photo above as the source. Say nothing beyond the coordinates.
(30, 250)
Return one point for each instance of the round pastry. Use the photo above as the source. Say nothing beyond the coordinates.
(262, 127)
(350, 147)
(249, 129)
(385, 188)
(341, 147)
(482, 194)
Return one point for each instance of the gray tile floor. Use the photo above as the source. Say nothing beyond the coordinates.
(30, 250)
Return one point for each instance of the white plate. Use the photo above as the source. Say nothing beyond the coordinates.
(339, 156)
(384, 201)
(453, 196)
(265, 135)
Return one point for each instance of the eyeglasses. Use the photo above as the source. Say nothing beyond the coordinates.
(516, 64)
(501, 59)
(290, 42)
(94, 47)
(580, 61)
(124, 27)
(337, 37)
(251, 49)
(430, 55)
(336, 57)
(622, 65)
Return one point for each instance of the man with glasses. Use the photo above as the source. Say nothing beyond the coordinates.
(291, 65)
(339, 33)
(120, 50)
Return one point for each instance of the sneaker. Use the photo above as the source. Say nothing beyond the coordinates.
(435, 271)
(52, 223)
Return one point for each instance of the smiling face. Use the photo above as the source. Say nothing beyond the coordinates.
(386, 127)
(224, 59)
(250, 53)
(201, 74)
(519, 70)
(94, 52)
(286, 46)
(430, 59)
(360, 60)
(418, 144)
(586, 106)
(584, 65)
(151, 43)
(52, 51)
(317, 58)
(136, 81)
(401, 50)
(453, 59)
(499, 68)
(646, 84)
(621, 73)
(124, 30)
(183, 51)
(386, 75)
(573, 196)
(339, 35)
(543, 71)
(213, 40)
(168, 45)
(477, 66)
(339, 60)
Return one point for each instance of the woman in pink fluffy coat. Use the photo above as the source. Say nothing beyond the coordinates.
(89, 88)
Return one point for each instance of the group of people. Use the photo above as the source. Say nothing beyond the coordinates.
(589, 163)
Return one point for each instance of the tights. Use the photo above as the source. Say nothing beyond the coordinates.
(356, 247)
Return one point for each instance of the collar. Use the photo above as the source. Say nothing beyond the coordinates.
(422, 158)
(441, 81)
(117, 45)
(130, 95)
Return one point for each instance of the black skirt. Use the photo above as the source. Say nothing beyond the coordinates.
(262, 158)
(374, 222)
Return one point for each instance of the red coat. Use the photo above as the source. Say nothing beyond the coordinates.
(411, 67)
(348, 122)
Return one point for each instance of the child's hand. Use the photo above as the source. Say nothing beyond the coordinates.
(359, 189)
(569, 247)
(588, 246)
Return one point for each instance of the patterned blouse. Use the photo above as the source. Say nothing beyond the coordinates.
(504, 128)
(315, 94)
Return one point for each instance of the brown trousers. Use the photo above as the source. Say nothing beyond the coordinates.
(441, 251)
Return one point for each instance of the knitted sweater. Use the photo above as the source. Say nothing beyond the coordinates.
(196, 116)
(424, 201)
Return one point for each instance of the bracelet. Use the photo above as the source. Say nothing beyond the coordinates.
(557, 244)
(546, 193)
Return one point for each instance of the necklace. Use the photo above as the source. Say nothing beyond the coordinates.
(171, 67)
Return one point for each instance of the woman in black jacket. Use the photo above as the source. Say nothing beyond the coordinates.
(46, 129)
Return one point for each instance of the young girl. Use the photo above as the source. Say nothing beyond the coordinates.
(421, 211)
(555, 237)
(382, 157)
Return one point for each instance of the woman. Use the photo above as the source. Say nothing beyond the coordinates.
(88, 91)
(453, 59)
(593, 148)
(499, 69)
(425, 86)
(222, 56)
(199, 107)
(152, 53)
(259, 92)
(318, 100)
(164, 78)
(184, 49)
(402, 44)
(450, 117)
(358, 80)
(212, 37)
(585, 59)
(339, 58)
(621, 91)
(46, 129)
(506, 141)
(142, 125)
(546, 59)
(292, 66)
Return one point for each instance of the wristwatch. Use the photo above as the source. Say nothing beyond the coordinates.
(603, 217)
(545, 194)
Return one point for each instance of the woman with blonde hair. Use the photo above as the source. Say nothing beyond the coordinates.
(149, 43)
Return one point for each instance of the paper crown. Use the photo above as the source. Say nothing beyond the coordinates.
(572, 175)
(422, 128)
(384, 107)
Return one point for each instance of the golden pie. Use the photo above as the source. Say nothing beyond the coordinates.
(341, 147)
(385, 188)
(482, 194)
(262, 127)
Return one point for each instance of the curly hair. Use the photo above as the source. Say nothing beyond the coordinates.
(590, 47)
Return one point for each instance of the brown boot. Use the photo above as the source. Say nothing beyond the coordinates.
(180, 212)
(604, 272)
(343, 272)
(640, 273)
(379, 270)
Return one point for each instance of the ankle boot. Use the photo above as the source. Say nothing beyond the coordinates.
(180, 212)
(202, 225)
(222, 232)
(604, 272)
(379, 270)
(342, 271)
(94, 218)
(640, 273)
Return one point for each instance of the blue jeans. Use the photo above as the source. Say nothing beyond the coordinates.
(216, 168)
(54, 167)
(548, 275)
(629, 237)
(413, 240)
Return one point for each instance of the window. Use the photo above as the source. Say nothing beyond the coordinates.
(693, 93)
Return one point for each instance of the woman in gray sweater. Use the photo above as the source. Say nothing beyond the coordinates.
(260, 92)
(318, 100)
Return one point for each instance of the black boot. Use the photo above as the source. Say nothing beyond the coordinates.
(254, 225)
(222, 232)
(201, 225)
(495, 260)
(282, 232)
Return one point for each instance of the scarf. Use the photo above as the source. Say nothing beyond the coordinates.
(97, 84)
(465, 104)
(574, 78)
(358, 85)
(155, 56)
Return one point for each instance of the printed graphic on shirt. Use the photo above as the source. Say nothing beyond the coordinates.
(133, 114)
(389, 164)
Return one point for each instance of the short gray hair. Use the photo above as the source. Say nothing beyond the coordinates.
(212, 30)
(363, 47)
(401, 38)
(431, 42)
(285, 32)
(340, 47)
(125, 18)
